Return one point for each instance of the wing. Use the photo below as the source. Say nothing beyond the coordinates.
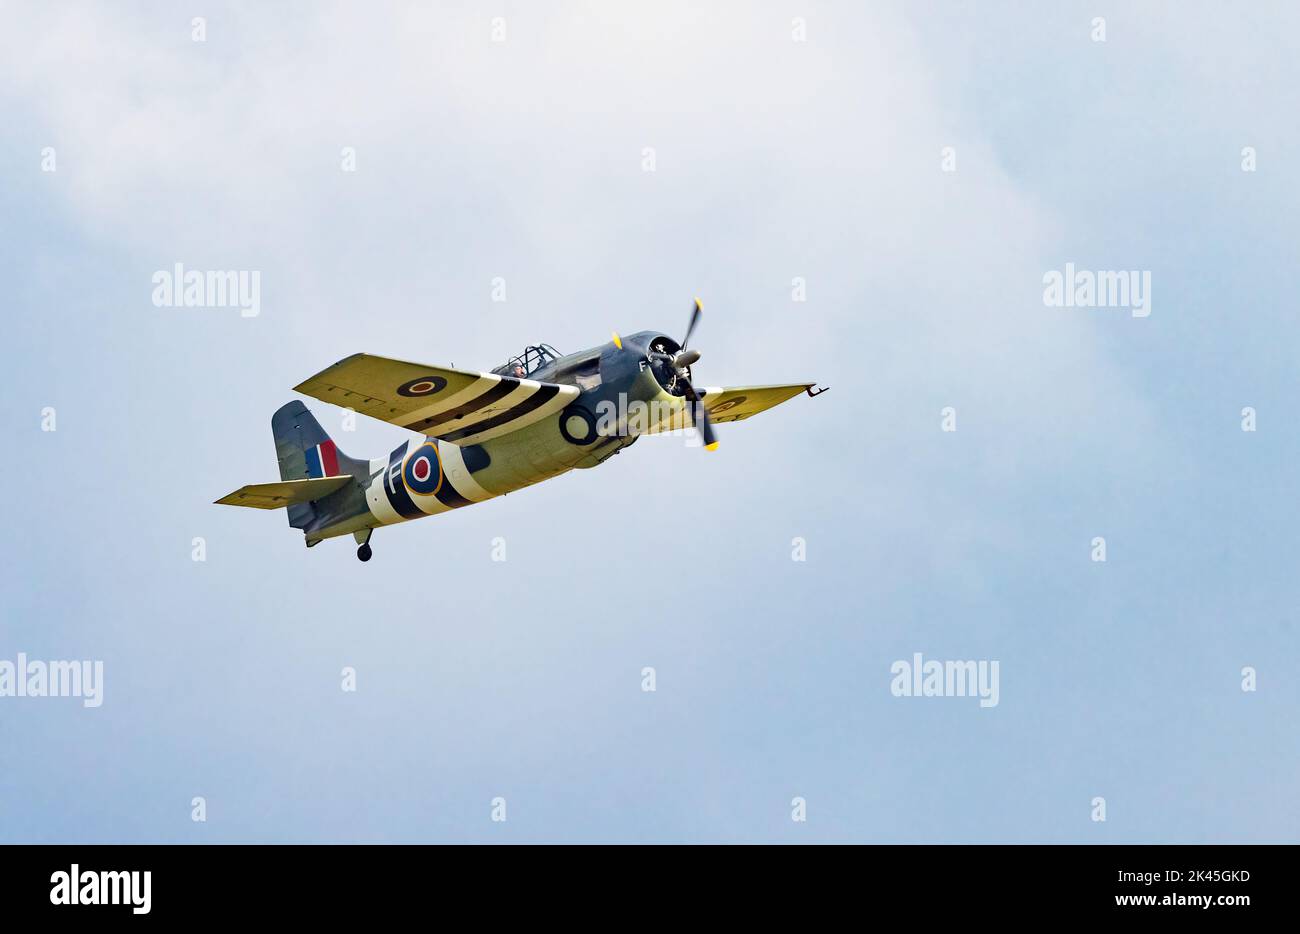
(284, 493)
(458, 406)
(736, 403)
(740, 402)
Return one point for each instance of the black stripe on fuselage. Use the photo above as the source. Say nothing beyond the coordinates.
(500, 390)
(395, 489)
(538, 399)
(449, 497)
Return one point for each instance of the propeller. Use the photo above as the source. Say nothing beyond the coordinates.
(681, 361)
(680, 364)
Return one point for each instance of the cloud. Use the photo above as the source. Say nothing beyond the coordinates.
(774, 159)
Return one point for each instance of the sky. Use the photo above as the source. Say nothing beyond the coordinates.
(865, 195)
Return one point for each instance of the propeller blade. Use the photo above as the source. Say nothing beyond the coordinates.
(706, 429)
(700, 418)
(618, 341)
(695, 319)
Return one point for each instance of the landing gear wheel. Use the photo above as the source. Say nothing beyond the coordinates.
(364, 552)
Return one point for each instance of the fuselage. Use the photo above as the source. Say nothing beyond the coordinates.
(428, 477)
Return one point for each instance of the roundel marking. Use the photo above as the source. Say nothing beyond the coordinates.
(724, 406)
(577, 425)
(422, 472)
(423, 386)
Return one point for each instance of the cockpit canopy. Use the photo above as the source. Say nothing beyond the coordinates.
(534, 358)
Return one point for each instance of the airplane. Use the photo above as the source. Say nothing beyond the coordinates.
(539, 415)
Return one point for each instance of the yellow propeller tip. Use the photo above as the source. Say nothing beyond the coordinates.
(699, 305)
(711, 447)
(618, 341)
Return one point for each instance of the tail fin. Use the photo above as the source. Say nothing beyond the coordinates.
(306, 452)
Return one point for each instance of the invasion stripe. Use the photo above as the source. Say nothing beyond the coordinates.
(543, 395)
(474, 389)
(456, 471)
(500, 390)
(398, 497)
(449, 496)
(377, 494)
(483, 435)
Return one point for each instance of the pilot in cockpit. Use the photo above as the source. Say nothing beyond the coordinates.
(519, 371)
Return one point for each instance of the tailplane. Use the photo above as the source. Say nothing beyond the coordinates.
(285, 493)
(311, 468)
